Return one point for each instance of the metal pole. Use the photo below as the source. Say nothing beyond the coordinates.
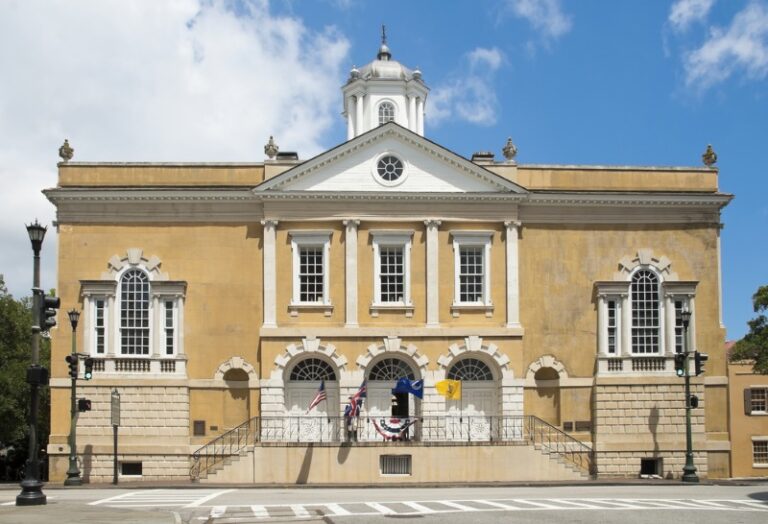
(689, 470)
(114, 462)
(73, 473)
(31, 487)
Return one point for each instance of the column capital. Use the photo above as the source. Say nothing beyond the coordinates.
(431, 222)
(269, 222)
(513, 224)
(351, 223)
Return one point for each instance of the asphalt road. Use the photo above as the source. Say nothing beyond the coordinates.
(626, 503)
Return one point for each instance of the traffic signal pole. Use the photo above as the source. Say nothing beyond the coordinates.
(73, 473)
(689, 470)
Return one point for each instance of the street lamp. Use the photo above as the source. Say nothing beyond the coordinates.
(31, 487)
(73, 473)
(689, 470)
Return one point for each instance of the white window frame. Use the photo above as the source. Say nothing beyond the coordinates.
(163, 353)
(300, 239)
(403, 239)
(661, 328)
(378, 111)
(93, 327)
(472, 239)
(756, 439)
(117, 333)
(752, 410)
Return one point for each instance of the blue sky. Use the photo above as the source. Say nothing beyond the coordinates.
(573, 82)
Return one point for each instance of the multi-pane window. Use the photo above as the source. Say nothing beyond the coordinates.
(470, 369)
(471, 274)
(679, 347)
(169, 328)
(311, 274)
(758, 400)
(312, 370)
(612, 326)
(134, 313)
(760, 451)
(386, 112)
(645, 312)
(99, 326)
(391, 274)
(391, 369)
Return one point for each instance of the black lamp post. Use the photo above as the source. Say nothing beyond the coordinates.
(689, 470)
(73, 473)
(31, 487)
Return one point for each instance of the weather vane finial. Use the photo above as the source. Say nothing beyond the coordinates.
(383, 34)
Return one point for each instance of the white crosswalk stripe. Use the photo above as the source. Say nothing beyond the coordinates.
(384, 510)
(420, 508)
(337, 510)
(188, 498)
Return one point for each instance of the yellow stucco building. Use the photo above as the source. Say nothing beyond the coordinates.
(217, 297)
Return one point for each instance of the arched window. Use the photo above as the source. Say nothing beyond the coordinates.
(386, 112)
(470, 369)
(134, 313)
(391, 369)
(312, 370)
(645, 312)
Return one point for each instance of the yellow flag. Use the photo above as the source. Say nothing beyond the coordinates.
(450, 389)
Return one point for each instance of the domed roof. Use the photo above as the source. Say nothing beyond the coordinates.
(384, 68)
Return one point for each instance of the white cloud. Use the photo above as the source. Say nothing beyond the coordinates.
(188, 80)
(546, 16)
(743, 46)
(684, 12)
(470, 95)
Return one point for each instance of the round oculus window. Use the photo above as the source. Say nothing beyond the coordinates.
(390, 168)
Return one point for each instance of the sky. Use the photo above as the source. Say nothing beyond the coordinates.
(572, 82)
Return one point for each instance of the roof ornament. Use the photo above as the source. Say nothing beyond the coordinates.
(354, 73)
(509, 150)
(271, 148)
(709, 157)
(66, 152)
(384, 53)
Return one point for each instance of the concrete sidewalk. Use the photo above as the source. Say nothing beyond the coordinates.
(52, 513)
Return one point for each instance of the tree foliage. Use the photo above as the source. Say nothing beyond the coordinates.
(754, 345)
(15, 358)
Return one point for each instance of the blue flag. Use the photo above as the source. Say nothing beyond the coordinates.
(414, 387)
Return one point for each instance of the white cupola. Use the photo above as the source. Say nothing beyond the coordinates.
(384, 91)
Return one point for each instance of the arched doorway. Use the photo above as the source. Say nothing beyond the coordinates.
(381, 377)
(236, 406)
(302, 384)
(475, 416)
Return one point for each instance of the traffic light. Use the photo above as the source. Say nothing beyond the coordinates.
(73, 367)
(48, 307)
(83, 404)
(88, 372)
(693, 401)
(699, 359)
(680, 364)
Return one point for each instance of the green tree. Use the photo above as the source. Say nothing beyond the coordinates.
(15, 358)
(754, 345)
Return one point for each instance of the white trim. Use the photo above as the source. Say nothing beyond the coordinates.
(463, 238)
(300, 239)
(513, 282)
(433, 285)
(270, 273)
(375, 169)
(392, 238)
(350, 269)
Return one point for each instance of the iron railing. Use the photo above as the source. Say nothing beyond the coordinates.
(526, 429)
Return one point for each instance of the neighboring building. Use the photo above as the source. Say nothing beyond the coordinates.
(748, 419)
(218, 294)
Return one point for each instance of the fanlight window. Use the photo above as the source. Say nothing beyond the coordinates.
(134, 313)
(470, 369)
(312, 370)
(645, 312)
(386, 112)
(391, 369)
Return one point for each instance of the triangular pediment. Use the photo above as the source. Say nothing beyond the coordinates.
(354, 167)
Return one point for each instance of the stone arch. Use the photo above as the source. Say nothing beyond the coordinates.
(235, 363)
(645, 258)
(134, 257)
(545, 361)
(308, 346)
(394, 346)
(473, 345)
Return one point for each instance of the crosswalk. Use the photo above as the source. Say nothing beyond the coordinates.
(203, 502)
(277, 512)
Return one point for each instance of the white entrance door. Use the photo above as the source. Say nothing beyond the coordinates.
(319, 425)
(378, 407)
(473, 418)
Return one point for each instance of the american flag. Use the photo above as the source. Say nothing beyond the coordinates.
(356, 400)
(319, 397)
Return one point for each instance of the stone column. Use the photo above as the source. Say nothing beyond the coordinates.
(513, 282)
(412, 113)
(433, 302)
(669, 321)
(180, 326)
(626, 327)
(359, 127)
(157, 326)
(113, 333)
(420, 116)
(602, 326)
(350, 241)
(270, 274)
(350, 117)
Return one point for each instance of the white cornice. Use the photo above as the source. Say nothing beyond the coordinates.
(370, 138)
(373, 196)
(649, 198)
